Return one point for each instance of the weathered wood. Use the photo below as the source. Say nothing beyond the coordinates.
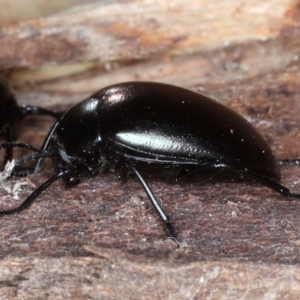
(21, 11)
(249, 225)
(102, 239)
(141, 29)
(108, 35)
(132, 278)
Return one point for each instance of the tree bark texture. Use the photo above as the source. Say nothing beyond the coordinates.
(102, 239)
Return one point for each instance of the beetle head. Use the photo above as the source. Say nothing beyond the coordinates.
(77, 138)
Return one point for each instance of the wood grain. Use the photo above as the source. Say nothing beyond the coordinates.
(237, 239)
(141, 29)
(102, 239)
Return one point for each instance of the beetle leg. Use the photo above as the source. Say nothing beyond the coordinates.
(263, 180)
(155, 203)
(275, 186)
(21, 171)
(27, 110)
(6, 129)
(46, 144)
(34, 194)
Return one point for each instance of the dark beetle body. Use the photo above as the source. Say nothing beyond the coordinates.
(163, 124)
(11, 112)
(138, 124)
(7, 102)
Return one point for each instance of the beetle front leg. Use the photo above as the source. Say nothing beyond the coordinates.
(7, 131)
(26, 110)
(31, 198)
(155, 203)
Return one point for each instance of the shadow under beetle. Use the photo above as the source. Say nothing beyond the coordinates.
(139, 124)
(11, 112)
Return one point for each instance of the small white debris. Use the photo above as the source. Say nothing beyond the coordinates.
(17, 187)
(7, 170)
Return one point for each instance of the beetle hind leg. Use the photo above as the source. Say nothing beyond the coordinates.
(155, 203)
(277, 187)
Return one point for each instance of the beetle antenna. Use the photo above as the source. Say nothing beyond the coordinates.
(24, 171)
(18, 145)
(26, 158)
(46, 144)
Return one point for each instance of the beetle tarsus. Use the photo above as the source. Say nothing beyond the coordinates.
(171, 233)
(153, 200)
(294, 195)
(30, 199)
(22, 171)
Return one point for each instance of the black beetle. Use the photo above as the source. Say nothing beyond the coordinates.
(146, 124)
(11, 112)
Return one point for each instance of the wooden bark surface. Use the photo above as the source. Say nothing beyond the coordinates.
(141, 29)
(199, 42)
(237, 239)
(132, 278)
(102, 239)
